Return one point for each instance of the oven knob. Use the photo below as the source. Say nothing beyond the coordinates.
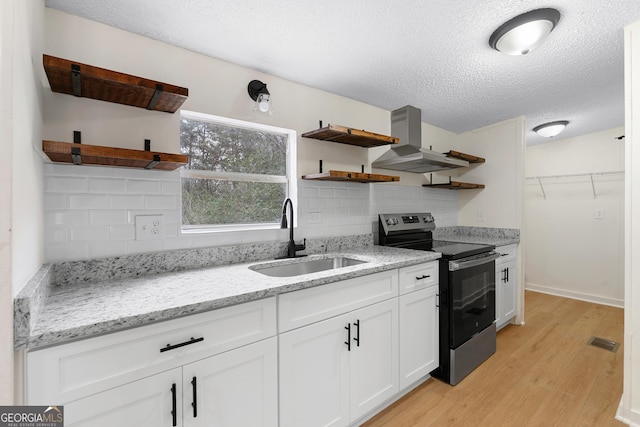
(392, 221)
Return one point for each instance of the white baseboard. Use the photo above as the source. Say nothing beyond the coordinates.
(633, 419)
(574, 295)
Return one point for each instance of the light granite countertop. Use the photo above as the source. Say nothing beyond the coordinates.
(81, 310)
(481, 235)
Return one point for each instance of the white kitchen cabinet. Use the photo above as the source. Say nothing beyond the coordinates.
(506, 282)
(143, 403)
(232, 352)
(236, 388)
(418, 311)
(334, 371)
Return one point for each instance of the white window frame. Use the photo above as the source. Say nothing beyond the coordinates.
(290, 179)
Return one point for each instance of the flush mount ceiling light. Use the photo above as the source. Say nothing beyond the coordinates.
(525, 32)
(551, 129)
(259, 93)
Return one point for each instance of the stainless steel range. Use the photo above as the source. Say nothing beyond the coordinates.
(467, 291)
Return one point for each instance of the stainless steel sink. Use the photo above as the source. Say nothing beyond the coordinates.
(306, 267)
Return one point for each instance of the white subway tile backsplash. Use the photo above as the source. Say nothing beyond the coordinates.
(107, 249)
(141, 246)
(53, 201)
(108, 217)
(68, 218)
(89, 234)
(107, 185)
(65, 184)
(306, 191)
(161, 202)
(83, 171)
(325, 192)
(122, 232)
(92, 213)
(170, 229)
(67, 251)
(88, 201)
(171, 187)
(139, 186)
(126, 202)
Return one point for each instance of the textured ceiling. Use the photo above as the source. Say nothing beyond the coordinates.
(432, 54)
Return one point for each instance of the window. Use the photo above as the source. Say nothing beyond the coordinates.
(238, 175)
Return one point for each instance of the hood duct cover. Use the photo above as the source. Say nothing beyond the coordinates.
(408, 155)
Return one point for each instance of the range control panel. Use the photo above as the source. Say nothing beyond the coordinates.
(393, 223)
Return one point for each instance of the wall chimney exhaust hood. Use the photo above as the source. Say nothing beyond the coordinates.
(408, 155)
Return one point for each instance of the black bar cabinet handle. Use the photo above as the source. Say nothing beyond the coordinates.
(424, 276)
(194, 404)
(357, 337)
(348, 341)
(174, 403)
(182, 344)
(507, 270)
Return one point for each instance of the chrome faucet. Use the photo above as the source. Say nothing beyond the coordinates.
(292, 248)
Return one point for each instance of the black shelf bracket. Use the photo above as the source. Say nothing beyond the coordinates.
(156, 160)
(147, 145)
(156, 96)
(75, 151)
(76, 82)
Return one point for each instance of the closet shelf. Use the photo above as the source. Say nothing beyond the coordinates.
(82, 80)
(572, 178)
(68, 152)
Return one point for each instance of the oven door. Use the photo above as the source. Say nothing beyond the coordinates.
(472, 288)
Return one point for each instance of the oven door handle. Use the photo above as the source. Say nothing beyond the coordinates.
(461, 265)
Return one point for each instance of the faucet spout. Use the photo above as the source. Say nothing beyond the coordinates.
(292, 247)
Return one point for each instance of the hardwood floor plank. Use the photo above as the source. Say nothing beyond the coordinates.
(543, 374)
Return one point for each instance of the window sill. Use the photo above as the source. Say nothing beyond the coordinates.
(228, 228)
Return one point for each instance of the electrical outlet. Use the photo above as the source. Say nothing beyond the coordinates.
(148, 227)
(480, 215)
(599, 214)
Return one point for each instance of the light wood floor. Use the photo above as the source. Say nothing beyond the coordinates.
(542, 374)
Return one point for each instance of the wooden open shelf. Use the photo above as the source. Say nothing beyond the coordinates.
(345, 135)
(351, 176)
(75, 78)
(463, 156)
(455, 185)
(110, 156)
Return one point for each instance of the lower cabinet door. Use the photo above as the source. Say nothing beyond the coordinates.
(373, 356)
(143, 403)
(509, 292)
(418, 335)
(314, 374)
(235, 388)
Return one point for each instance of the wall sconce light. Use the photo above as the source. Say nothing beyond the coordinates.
(525, 32)
(259, 93)
(551, 129)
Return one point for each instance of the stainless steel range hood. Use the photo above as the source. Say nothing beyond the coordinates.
(408, 155)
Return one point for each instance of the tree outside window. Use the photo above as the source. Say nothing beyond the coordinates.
(238, 174)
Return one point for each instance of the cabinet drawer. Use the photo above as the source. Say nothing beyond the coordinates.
(70, 371)
(310, 305)
(419, 276)
(507, 253)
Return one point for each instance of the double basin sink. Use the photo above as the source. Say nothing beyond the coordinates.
(305, 267)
